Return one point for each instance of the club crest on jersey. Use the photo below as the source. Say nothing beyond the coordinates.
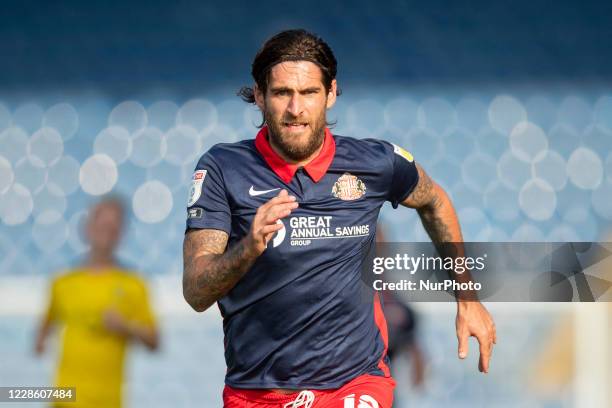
(196, 187)
(402, 152)
(348, 187)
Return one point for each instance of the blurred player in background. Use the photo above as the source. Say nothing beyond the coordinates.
(404, 342)
(402, 325)
(101, 307)
(277, 232)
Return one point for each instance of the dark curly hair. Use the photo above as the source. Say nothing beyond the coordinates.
(290, 45)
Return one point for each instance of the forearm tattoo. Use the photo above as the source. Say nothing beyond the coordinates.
(435, 209)
(441, 223)
(435, 223)
(209, 272)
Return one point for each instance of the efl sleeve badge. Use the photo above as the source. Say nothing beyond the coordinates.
(196, 187)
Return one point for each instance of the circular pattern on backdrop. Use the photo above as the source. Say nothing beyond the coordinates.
(512, 171)
(602, 204)
(63, 118)
(563, 139)
(6, 247)
(527, 141)
(367, 114)
(446, 172)
(436, 114)
(148, 147)
(585, 224)
(170, 175)
(162, 115)
(603, 111)
(528, 233)
(115, 142)
(473, 221)
(492, 234)
(571, 200)
(28, 117)
(471, 114)
(538, 200)
(501, 202)
(98, 175)
(425, 146)
(575, 111)
(563, 233)
(6, 174)
(13, 144)
(401, 114)
(491, 141)
(130, 115)
(49, 198)
(478, 171)
(548, 165)
(200, 114)
(31, 173)
(218, 134)
(64, 174)
(585, 169)
(597, 138)
(183, 145)
(459, 143)
(50, 231)
(46, 145)
(15, 205)
(541, 111)
(233, 112)
(152, 202)
(551, 167)
(505, 112)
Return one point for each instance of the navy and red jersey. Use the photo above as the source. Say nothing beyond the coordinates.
(298, 318)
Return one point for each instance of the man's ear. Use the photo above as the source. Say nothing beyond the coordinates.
(331, 95)
(259, 97)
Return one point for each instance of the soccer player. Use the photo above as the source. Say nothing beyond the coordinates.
(101, 307)
(277, 230)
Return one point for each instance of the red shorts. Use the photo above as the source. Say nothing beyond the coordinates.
(366, 391)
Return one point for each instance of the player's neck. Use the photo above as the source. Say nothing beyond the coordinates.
(100, 260)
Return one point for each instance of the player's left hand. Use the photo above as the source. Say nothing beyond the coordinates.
(473, 319)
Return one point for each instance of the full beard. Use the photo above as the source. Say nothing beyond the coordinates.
(295, 151)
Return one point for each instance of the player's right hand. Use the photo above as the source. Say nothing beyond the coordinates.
(265, 223)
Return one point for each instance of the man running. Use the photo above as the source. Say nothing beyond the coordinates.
(277, 230)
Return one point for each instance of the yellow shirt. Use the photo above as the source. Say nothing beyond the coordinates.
(92, 357)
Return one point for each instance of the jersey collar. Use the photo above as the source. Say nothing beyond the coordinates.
(316, 168)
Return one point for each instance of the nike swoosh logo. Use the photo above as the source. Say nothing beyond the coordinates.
(253, 192)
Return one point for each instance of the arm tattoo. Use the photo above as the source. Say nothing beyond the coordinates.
(441, 223)
(208, 272)
(435, 210)
(436, 227)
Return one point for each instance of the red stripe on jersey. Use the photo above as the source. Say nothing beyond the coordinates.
(381, 323)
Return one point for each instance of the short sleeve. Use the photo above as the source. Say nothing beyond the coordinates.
(405, 175)
(207, 206)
